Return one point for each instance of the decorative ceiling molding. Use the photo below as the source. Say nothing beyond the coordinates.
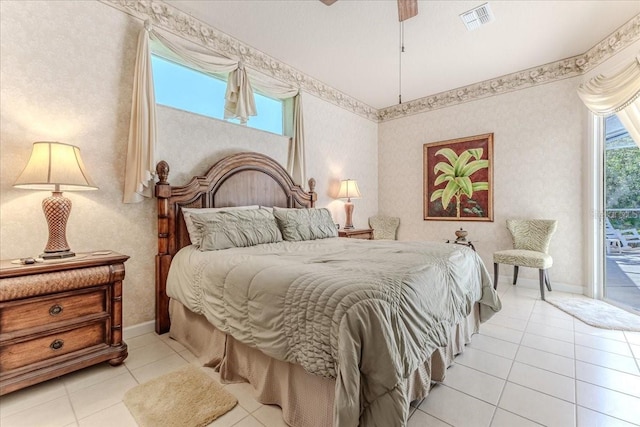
(167, 17)
(566, 68)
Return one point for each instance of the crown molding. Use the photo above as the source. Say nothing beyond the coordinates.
(554, 71)
(167, 17)
(171, 19)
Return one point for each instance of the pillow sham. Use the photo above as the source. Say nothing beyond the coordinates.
(236, 229)
(194, 234)
(305, 224)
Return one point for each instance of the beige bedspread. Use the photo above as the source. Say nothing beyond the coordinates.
(363, 312)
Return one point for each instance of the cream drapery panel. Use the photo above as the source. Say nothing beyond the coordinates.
(141, 163)
(295, 129)
(293, 123)
(239, 103)
(619, 94)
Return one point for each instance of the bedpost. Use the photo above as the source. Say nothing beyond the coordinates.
(312, 192)
(163, 259)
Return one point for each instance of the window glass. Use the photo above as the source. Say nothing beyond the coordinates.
(622, 216)
(181, 87)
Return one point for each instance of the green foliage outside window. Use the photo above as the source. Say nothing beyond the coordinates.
(623, 183)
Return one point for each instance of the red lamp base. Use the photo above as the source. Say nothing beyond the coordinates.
(348, 208)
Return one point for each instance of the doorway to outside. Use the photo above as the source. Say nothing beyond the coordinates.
(622, 216)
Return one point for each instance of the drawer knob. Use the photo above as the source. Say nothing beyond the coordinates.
(55, 310)
(56, 344)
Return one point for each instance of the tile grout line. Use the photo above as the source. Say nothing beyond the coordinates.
(607, 415)
(73, 409)
(425, 412)
(575, 380)
(506, 380)
(633, 355)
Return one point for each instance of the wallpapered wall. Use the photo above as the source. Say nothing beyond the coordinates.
(539, 145)
(66, 73)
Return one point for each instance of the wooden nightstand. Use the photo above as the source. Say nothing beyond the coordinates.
(365, 233)
(58, 317)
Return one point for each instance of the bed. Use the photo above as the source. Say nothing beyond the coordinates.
(335, 331)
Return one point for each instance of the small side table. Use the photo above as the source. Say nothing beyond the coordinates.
(468, 244)
(353, 233)
(59, 316)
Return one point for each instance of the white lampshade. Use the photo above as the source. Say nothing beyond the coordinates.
(55, 166)
(349, 189)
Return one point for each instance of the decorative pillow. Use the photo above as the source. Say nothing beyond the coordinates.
(305, 224)
(236, 229)
(194, 234)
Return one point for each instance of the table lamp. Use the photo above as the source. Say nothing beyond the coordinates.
(56, 167)
(349, 190)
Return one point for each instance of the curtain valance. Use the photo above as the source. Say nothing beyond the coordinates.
(239, 103)
(619, 94)
(239, 100)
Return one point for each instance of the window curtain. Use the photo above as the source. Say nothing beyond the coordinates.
(294, 127)
(619, 94)
(293, 124)
(140, 164)
(239, 100)
(239, 103)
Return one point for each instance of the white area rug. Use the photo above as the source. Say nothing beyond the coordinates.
(186, 397)
(598, 313)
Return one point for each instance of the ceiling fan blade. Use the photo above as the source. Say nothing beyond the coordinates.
(406, 9)
(328, 2)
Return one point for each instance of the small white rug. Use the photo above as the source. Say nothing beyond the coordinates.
(598, 313)
(187, 397)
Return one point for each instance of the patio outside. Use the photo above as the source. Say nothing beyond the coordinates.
(623, 279)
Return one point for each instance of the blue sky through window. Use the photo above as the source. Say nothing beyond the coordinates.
(180, 87)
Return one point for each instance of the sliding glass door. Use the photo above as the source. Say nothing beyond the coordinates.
(621, 225)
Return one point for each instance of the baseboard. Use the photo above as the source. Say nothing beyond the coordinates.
(139, 329)
(535, 284)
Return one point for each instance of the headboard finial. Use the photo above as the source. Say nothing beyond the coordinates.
(312, 193)
(162, 170)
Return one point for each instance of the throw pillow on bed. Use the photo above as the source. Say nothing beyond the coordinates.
(194, 233)
(236, 229)
(305, 224)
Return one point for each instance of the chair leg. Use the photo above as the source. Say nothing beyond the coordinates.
(515, 274)
(542, 277)
(547, 280)
(495, 275)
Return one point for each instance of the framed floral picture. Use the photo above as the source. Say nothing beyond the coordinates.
(458, 179)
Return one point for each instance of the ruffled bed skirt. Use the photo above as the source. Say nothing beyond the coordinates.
(306, 400)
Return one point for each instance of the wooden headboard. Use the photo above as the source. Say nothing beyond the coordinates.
(237, 180)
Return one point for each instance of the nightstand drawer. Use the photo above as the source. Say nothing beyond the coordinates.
(364, 236)
(354, 233)
(32, 351)
(25, 314)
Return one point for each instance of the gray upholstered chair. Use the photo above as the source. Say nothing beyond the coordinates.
(531, 239)
(384, 227)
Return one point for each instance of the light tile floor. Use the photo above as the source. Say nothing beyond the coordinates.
(530, 365)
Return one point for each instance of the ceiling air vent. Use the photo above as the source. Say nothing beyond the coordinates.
(477, 16)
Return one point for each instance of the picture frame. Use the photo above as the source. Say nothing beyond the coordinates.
(458, 179)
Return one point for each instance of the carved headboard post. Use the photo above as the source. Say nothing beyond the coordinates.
(163, 259)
